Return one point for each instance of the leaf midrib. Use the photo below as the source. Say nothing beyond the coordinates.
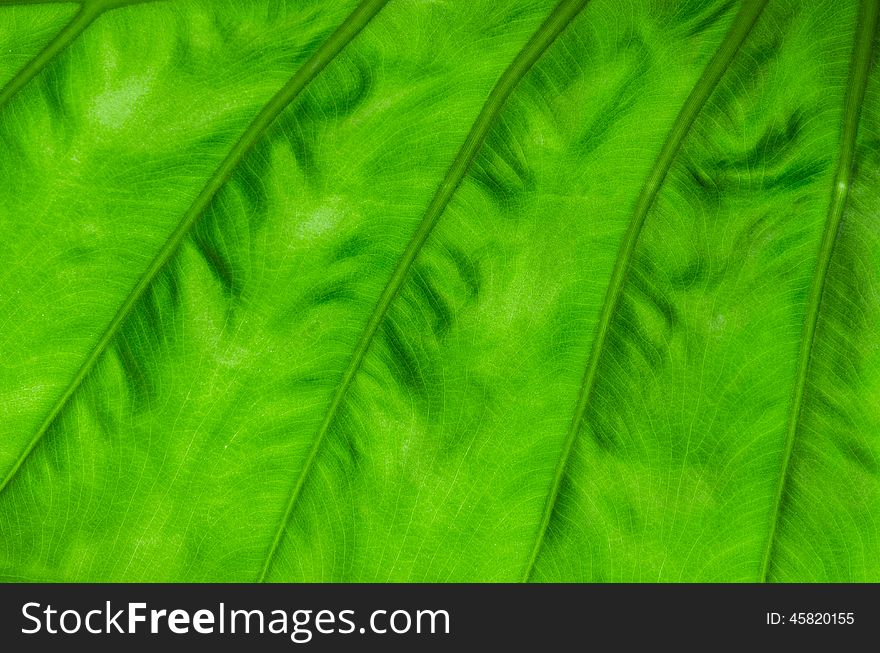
(552, 27)
(328, 50)
(856, 87)
(736, 35)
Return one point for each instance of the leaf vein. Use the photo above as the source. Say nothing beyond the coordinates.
(858, 82)
(741, 27)
(68, 34)
(316, 63)
(554, 25)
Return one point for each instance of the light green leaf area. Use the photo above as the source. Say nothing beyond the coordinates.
(439, 291)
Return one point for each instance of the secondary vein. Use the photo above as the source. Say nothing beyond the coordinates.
(68, 34)
(858, 82)
(554, 25)
(316, 63)
(98, 6)
(15, 3)
(737, 33)
(88, 12)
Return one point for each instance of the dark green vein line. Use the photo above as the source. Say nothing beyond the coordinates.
(328, 50)
(107, 5)
(738, 32)
(855, 95)
(68, 34)
(15, 3)
(556, 22)
(97, 6)
(88, 12)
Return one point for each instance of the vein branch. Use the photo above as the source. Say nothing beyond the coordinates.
(318, 61)
(68, 34)
(15, 3)
(855, 95)
(554, 25)
(88, 12)
(737, 34)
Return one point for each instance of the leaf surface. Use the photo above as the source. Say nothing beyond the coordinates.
(409, 291)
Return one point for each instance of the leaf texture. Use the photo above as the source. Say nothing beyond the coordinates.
(406, 291)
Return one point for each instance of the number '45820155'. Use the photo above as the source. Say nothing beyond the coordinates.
(810, 618)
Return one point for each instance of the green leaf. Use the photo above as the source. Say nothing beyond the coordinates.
(439, 291)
